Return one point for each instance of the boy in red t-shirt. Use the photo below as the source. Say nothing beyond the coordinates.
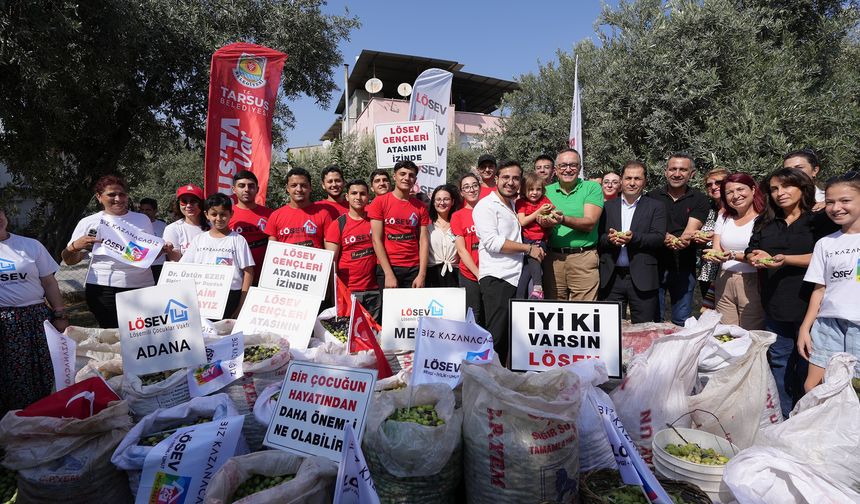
(335, 201)
(399, 229)
(300, 221)
(249, 219)
(533, 205)
(349, 238)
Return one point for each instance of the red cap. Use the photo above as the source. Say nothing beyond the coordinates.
(190, 189)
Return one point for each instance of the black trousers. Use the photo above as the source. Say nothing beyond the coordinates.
(497, 295)
(643, 304)
(232, 303)
(473, 298)
(371, 301)
(435, 278)
(101, 300)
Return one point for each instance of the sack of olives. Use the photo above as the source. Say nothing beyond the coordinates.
(273, 477)
(110, 370)
(158, 425)
(331, 328)
(728, 344)
(264, 408)
(326, 352)
(153, 391)
(594, 449)
(519, 434)
(395, 382)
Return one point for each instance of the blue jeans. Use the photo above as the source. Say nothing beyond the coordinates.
(786, 364)
(680, 285)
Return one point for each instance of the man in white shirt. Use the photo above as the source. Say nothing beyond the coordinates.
(500, 253)
(632, 229)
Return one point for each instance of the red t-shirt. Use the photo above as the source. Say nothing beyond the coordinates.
(401, 220)
(533, 231)
(356, 266)
(463, 225)
(251, 224)
(485, 191)
(300, 226)
(334, 208)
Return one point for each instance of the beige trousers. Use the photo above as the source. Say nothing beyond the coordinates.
(738, 300)
(571, 277)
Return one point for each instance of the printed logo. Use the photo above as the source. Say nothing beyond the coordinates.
(435, 308)
(261, 224)
(250, 71)
(413, 220)
(169, 489)
(177, 311)
(310, 227)
(208, 372)
(134, 252)
(7, 265)
(478, 356)
(227, 261)
(858, 270)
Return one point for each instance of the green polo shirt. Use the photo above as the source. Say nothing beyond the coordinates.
(573, 204)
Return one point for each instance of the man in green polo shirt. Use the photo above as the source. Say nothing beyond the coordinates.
(571, 266)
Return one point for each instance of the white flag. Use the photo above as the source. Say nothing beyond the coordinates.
(441, 345)
(575, 138)
(354, 484)
(127, 243)
(431, 101)
(62, 349)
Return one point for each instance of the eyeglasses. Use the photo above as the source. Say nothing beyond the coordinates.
(845, 177)
(566, 166)
(470, 187)
(715, 183)
(443, 200)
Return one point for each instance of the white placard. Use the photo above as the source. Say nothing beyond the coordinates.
(224, 359)
(159, 328)
(213, 284)
(62, 349)
(295, 268)
(405, 141)
(314, 406)
(442, 345)
(550, 334)
(180, 468)
(127, 243)
(401, 309)
(286, 314)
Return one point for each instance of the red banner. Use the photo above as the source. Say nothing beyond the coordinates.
(243, 91)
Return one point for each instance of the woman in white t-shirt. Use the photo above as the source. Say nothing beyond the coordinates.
(443, 261)
(106, 276)
(26, 279)
(190, 221)
(737, 290)
(221, 246)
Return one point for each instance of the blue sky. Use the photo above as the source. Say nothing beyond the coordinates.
(498, 39)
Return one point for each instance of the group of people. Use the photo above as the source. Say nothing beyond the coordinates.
(779, 254)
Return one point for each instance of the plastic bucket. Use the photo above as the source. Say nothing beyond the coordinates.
(707, 477)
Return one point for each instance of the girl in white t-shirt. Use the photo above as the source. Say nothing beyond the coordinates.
(190, 223)
(832, 322)
(219, 245)
(737, 289)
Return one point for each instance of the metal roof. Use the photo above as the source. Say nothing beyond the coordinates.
(469, 92)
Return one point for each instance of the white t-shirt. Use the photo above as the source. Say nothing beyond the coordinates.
(106, 271)
(232, 250)
(835, 264)
(180, 234)
(496, 222)
(158, 227)
(819, 194)
(736, 238)
(443, 249)
(23, 261)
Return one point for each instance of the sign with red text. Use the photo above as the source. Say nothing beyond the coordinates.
(295, 268)
(243, 94)
(401, 309)
(550, 334)
(286, 314)
(431, 100)
(405, 141)
(159, 328)
(316, 403)
(212, 281)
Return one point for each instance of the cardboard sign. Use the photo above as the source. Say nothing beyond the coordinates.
(283, 313)
(223, 366)
(401, 309)
(212, 281)
(294, 268)
(316, 403)
(159, 328)
(180, 468)
(442, 345)
(127, 244)
(550, 334)
(405, 141)
(62, 349)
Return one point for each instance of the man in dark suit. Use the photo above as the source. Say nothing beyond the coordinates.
(632, 229)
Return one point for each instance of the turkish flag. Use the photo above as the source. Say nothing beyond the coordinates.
(342, 299)
(362, 336)
(81, 400)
